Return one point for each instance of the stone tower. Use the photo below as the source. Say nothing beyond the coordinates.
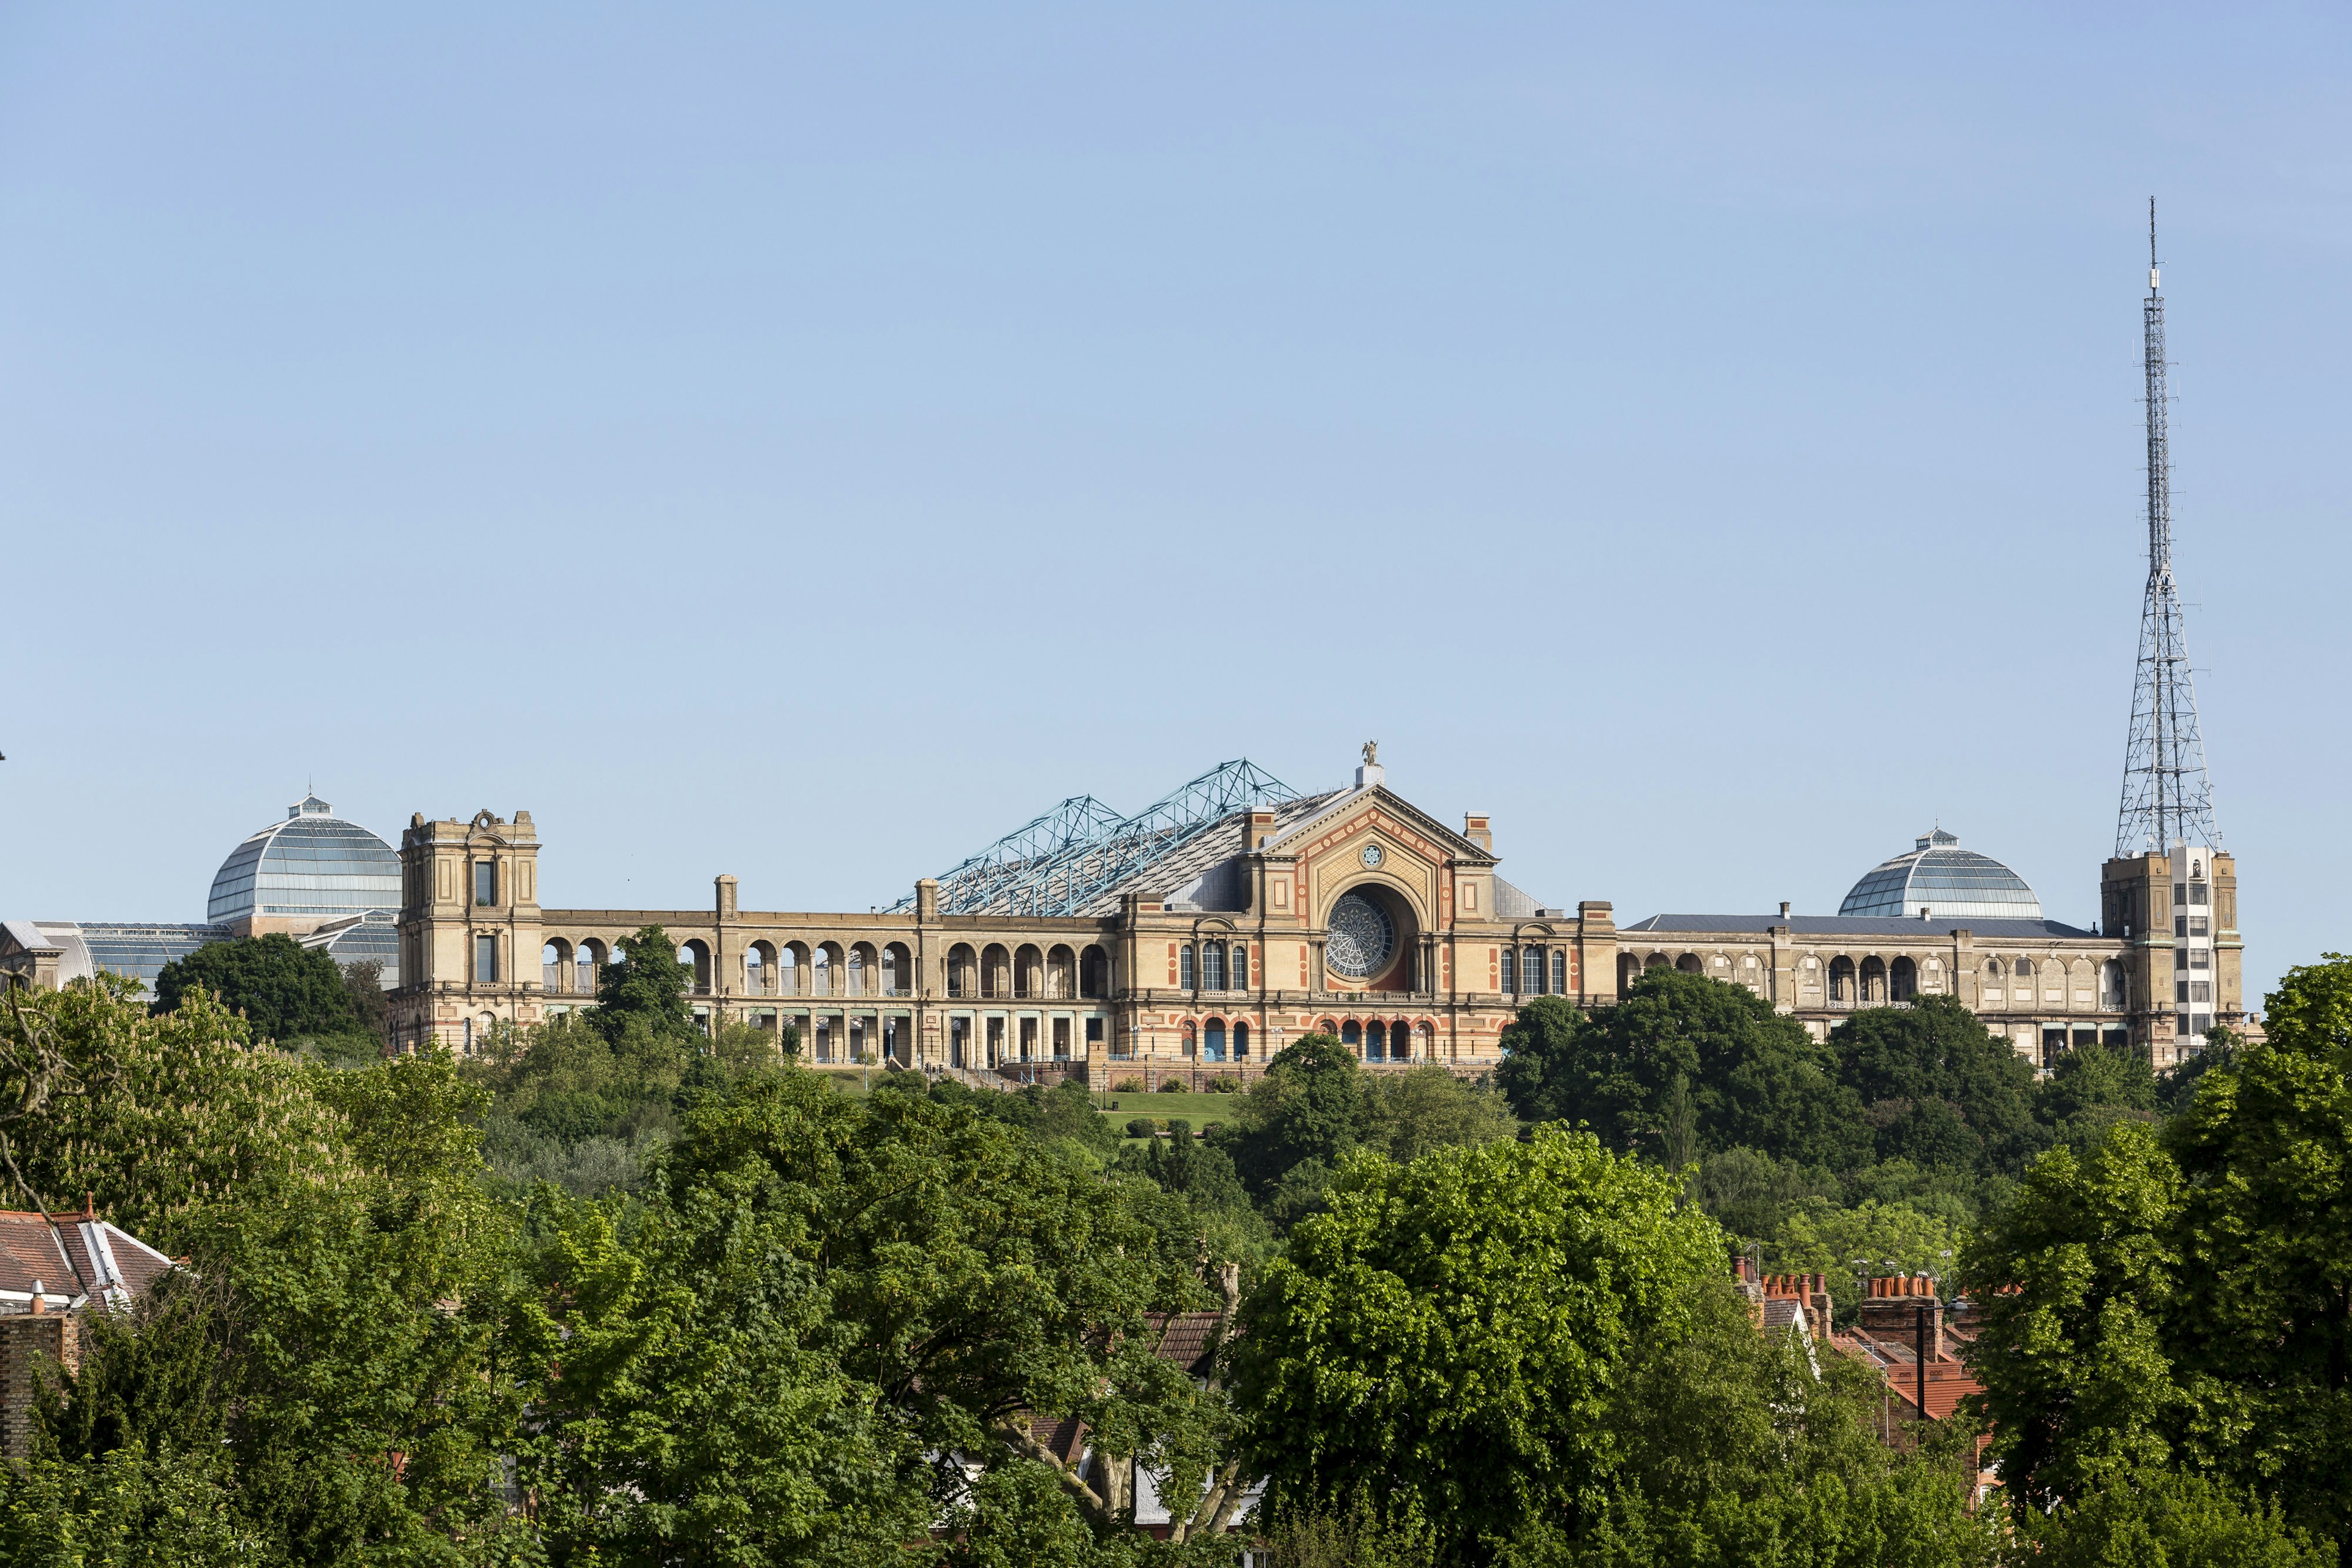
(469, 930)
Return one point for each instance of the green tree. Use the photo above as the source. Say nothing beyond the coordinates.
(1939, 1089)
(2091, 1087)
(363, 981)
(1737, 1446)
(285, 989)
(1407, 1114)
(2177, 1298)
(1457, 1326)
(1681, 1060)
(873, 1285)
(643, 993)
(1309, 1105)
(2166, 1519)
(154, 1116)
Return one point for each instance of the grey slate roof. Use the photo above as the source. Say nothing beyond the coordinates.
(1851, 925)
(1213, 846)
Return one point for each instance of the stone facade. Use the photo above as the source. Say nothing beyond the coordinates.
(2168, 968)
(1159, 984)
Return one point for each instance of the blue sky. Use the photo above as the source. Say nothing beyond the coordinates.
(807, 443)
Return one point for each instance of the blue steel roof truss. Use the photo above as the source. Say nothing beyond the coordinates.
(1064, 859)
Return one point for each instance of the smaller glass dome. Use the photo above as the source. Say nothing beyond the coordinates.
(1939, 880)
(312, 865)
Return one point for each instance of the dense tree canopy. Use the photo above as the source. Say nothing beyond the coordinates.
(2177, 1297)
(285, 989)
(1683, 1066)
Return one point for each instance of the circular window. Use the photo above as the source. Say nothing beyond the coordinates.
(1363, 940)
(1372, 856)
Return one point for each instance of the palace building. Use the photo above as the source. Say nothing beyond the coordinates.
(1200, 935)
(1206, 933)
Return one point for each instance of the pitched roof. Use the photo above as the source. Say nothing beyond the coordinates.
(69, 1261)
(1188, 1338)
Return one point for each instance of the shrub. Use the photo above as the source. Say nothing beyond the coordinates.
(1141, 1126)
(1127, 1086)
(1179, 1127)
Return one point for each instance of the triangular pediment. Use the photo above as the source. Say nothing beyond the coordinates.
(1372, 805)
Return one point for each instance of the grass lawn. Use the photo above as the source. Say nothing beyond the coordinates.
(1197, 1109)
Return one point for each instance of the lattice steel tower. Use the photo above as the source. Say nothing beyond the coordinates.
(2166, 795)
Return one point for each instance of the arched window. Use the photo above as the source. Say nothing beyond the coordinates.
(1559, 972)
(1213, 967)
(821, 974)
(1028, 971)
(959, 967)
(1531, 970)
(893, 975)
(857, 970)
(995, 971)
(1061, 974)
(1399, 1042)
(1241, 1042)
(1213, 1041)
(1189, 1039)
(1241, 966)
(1184, 967)
(1841, 980)
(1094, 973)
(1689, 964)
(1428, 1042)
(1351, 1035)
(1903, 980)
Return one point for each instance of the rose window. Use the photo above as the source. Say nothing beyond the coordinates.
(1362, 939)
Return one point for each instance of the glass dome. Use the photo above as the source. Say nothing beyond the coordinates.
(1939, 880)
(312, 865)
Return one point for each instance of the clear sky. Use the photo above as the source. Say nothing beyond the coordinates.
(807, 443)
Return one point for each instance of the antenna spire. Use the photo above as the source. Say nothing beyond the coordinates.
(2166, 795)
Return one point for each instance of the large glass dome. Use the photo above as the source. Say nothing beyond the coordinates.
(1939, 880)
(312, 865)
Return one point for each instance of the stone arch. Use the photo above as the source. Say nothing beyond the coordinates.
(1351, 1035)
(1872, 980)
(1241, 1039)
(1689, 963)
(1657, 960)
(1061, 973)
(898, 976)
(824, 969)
(995, 971)
(1093, 972)
(963, 970)
(863, 961)
(759, 972)
(1902, 980)
(1842, 982)
(694, 952)
(1399, 1041)
(1028, 971)
(1425, 1042)
(1191, 1040)
(1629, 970)
(1212, 1040)
(793, 968)
(2112, 990)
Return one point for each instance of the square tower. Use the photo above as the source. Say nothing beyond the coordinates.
(2177, 916)
(469, 930)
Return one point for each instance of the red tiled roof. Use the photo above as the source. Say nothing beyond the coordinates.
(78, 1255)
(1188, 1338)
